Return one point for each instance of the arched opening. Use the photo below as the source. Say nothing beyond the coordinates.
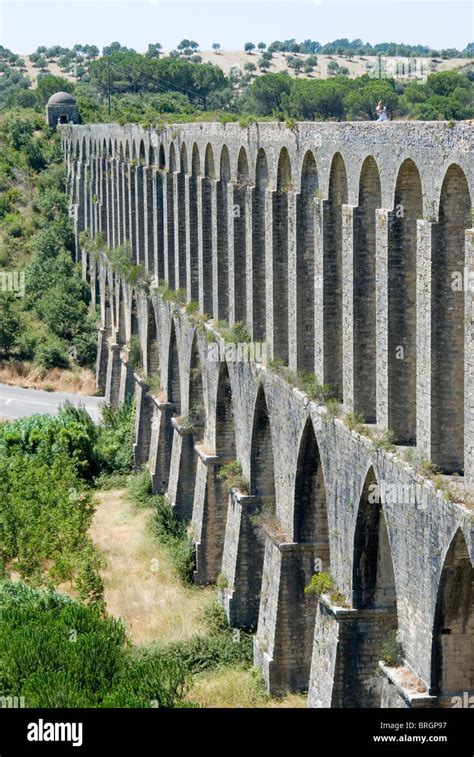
(161, 158)
(452, 668)
(174, 381)
(222, 237)
(193, 223)
(207, 184)
(170, 178)
(402, 242)
(240, 236)
(121, 330)
(225, 421)
(149, 219)
(332, 274)
(447, 323)
(294, 631)
(126, 195)
(305, 214)
(280, 257)
(374, 596)
(258, 248)
(141, 153)
(262, 477)
(183, 168)
(153, 360)
(310, 514)
(373, 580)
(364, 318)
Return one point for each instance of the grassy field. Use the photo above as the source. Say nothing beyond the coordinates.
(142, 588)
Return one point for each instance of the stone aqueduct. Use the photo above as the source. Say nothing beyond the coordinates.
(339, 246)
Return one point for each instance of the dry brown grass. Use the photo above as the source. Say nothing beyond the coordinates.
(238, 688)
(80, 381)
(140, 583)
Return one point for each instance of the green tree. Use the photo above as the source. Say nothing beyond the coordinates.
(9, 323)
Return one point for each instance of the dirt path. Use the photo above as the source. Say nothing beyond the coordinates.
(140, 584)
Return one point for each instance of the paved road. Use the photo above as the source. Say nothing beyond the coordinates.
(16, 402)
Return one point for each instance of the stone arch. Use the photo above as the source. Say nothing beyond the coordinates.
(142, 153)
(240, 236)
(207, 231)
(262, 476)
(222, 236)
(447, 319)
(193, 222)
(309, 553)
(174, 374)
(134, 150)
(305, 270)
(310, 519)
(152, 352)
(151, 156)
(364, 315)
(127, 150)
(332, 274)
(452, 662)
(225, 420)
(259, 319)
(170, 180)
(402, 245)
(373, 596)
(280, 256)
(83, 150)
(373, 579)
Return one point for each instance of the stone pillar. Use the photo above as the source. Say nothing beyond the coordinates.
(230, 253)
(348, 305)
(269, 272)
(161, 443)
(101, 360)
(166, 227)
(469, 361)
(149, 220)
(248, 258)
(114, 370)
(209, 516)
(319, 289)
(177, 277)
(343, 636)
(214, 247)
(182, 472)
(143, 426)
(202, 299)
(123, 195)
(381, 309)
(292, 301)
(127, 382)
(80, 217)
(158, 225)
(284, 640)
(425, 242)
(132, 211)
(139, 215)
(242, 560)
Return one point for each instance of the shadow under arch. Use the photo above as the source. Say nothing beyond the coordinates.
(452, 660)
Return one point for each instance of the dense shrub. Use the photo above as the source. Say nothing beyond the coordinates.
(55, 652)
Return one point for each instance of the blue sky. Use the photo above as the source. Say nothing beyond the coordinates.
(438, 23)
